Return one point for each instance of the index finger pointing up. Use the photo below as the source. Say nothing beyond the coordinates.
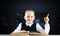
(47, 15)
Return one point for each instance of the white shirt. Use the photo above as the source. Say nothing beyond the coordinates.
(38, 28)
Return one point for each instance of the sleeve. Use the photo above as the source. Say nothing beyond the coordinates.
(18, 28)
(41, 30)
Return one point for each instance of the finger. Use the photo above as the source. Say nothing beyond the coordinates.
(47, 15)
(46, 18)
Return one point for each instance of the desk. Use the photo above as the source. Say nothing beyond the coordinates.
(27, 34)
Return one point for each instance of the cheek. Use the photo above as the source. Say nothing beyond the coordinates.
(26, 18)
(32, 19)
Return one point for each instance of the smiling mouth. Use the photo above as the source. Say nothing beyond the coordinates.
(29, 20)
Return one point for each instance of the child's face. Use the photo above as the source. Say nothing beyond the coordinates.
(29, 16)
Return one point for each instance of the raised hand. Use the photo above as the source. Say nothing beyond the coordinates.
(46, 19)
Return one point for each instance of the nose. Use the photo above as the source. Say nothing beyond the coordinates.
(30, 18)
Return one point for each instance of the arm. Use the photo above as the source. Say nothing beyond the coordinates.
(47, 28)
(18, 28)
(40, 29)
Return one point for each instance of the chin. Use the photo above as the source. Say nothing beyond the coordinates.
(29, 22)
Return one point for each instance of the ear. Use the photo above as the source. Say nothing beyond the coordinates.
(24, 17)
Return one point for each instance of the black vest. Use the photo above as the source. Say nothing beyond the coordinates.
(32, 28)
(28, 28)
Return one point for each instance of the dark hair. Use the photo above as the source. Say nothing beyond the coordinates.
(29, 10)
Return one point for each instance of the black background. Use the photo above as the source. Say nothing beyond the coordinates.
(10, 10)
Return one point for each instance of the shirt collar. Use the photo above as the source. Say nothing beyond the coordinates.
(29, 24)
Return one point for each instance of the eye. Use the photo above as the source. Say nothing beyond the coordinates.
(27, 16)
(31, 16)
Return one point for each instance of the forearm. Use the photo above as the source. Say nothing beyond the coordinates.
(47, 28)
(40, 29)
(18, 28)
